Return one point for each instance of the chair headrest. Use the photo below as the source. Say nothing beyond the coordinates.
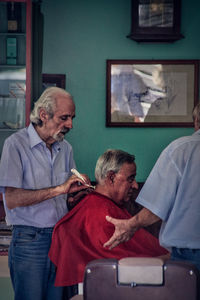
(140, 270)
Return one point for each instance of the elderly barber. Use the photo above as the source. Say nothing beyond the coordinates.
(35, 179)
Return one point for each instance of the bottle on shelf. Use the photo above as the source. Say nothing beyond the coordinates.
(14, 16)
(11, 50)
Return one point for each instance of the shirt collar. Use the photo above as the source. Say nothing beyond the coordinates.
(35, 139)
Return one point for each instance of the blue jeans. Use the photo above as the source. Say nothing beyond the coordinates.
(31, 271)
(190, 255)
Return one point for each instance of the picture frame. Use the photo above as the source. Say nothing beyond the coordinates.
(53, 80)
(155, 20)
(151, 93)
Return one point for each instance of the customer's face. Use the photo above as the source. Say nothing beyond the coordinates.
(124, 181)
(61, 123)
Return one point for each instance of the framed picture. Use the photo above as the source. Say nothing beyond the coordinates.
(53, 80)
(155, 20)
(151, 93)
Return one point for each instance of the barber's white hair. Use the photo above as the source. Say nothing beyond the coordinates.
(111, 160)
(47, 101)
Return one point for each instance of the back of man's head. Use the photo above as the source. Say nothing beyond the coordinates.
(196, 116)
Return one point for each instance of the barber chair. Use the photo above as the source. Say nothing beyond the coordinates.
(140, 279)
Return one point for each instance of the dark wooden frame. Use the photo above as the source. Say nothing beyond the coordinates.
(53, 80)
(189, 69)
(155, 34)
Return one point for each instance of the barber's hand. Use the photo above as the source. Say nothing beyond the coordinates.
(123, 232)
(75, 184)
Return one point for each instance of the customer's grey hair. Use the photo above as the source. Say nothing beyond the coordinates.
(196, 114)
(47, 101)
(111, 160)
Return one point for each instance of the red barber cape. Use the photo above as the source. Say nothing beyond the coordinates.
(79, 236)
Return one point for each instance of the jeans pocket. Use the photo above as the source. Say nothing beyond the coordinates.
(21, 237)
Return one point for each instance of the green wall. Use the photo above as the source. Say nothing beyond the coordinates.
(78, 38)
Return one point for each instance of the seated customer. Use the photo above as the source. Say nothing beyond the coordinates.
(79, 236)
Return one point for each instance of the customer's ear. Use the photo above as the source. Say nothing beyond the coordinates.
(111, 177)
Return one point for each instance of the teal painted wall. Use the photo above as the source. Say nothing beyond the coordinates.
(78, 38)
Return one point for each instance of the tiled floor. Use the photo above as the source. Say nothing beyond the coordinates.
(4, 271)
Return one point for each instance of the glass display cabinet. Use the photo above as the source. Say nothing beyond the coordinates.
(15, 65)
(15, 80)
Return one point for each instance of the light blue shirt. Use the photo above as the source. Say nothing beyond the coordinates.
(27, 163)
(172, 192)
